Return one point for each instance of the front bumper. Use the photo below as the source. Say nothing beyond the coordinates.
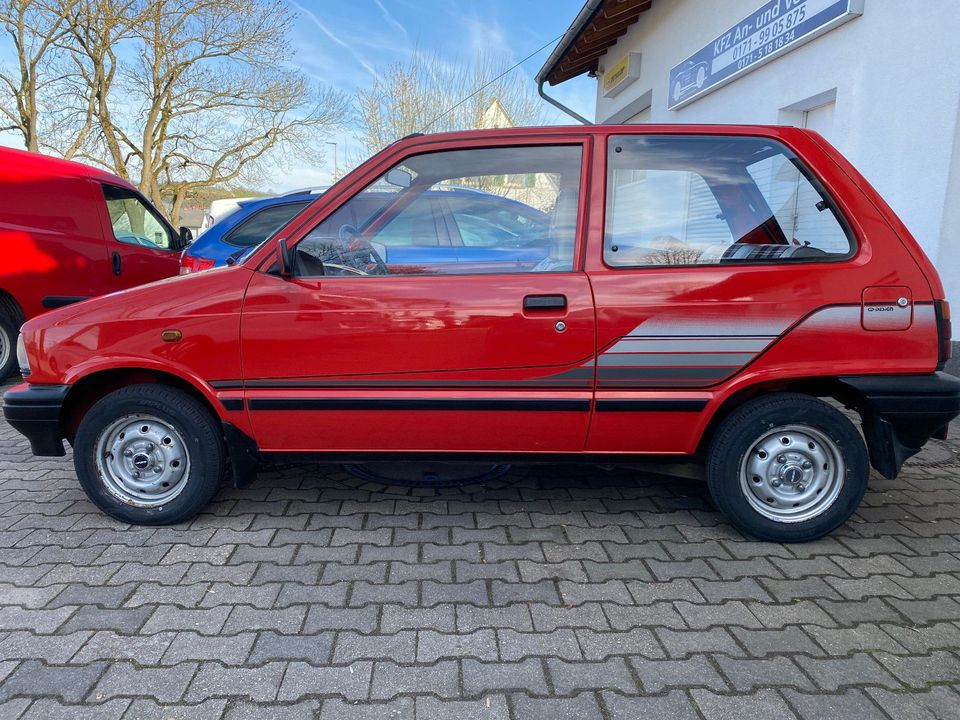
(902, 412)
(34, 411)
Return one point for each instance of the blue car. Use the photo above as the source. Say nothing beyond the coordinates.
(451, 226)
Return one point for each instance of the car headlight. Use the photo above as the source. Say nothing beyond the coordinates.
(22, 360)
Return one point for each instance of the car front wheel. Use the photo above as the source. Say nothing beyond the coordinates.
(787, 468)
(149, 455)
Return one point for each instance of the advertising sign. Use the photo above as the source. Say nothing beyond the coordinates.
(774, 29)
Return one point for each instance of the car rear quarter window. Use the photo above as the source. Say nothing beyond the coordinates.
(692, 200)
(263, 223)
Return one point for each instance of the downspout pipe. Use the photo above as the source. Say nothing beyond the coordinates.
(583, 18)
(557, 104)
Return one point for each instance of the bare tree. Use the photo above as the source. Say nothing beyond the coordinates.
(429, 94)
(35, 27)
(191, 94)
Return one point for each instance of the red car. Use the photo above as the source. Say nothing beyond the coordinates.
(715, 292)
(71, 232)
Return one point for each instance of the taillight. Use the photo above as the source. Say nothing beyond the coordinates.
(190, 264)
(944, 332)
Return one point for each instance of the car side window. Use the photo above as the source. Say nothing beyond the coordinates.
(263, 223)
(514, 207)
(134, 222)
(692, 200)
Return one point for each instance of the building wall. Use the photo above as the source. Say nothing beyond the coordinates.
(891, 74)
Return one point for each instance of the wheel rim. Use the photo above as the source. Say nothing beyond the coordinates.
(143, 460)
(5, 343)
(792, 473)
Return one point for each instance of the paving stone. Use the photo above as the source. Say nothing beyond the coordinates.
(920, 671)
(581, 706)
(480, 644)
(490, 708)
(288, 621)
(750, 674)
(166, 685)
(51, 649)
(399, 709)
(862, 638)
(938, 703)
(207, 622)
(658, 675)
(390, 679)
(141, 709)
(321, 618)
(71, 684)
(50, 709)
(761, 705)
(480, 677)
(561, 643)
(440, 617)
(110, 645)
(232, 650)
(835, 673)
(352, 682)
(680, 643)
(822, 706)
(351, 646)
(674, 705)
(572, 677)
(314, 649)
(469, 618)
(258, 684)
(601, 645)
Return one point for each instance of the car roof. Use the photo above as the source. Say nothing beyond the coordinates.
(39, 164)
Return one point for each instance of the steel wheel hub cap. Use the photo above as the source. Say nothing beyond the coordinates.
(792, 473)
(143, 460)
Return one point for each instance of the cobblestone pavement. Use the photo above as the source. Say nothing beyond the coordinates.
(551, 592)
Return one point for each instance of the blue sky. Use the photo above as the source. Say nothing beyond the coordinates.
(343, 42)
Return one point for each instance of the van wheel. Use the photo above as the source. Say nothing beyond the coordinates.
(787, 467)
(149, 455)
(8, 347)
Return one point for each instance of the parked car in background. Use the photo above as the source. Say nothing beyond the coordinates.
(71, 232)
(218, 210)
(465, 226)
(704, 289)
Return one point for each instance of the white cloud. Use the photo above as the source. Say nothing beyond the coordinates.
(336, 39)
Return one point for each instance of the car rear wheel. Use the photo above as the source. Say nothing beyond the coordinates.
(149, 455)
(8, 347)
(787, 467)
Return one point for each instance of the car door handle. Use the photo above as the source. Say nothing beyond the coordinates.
(116, 263)
(545, 302)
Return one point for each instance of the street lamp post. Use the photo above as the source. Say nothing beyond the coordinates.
(335, 168)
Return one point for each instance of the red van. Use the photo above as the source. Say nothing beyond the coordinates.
(71, 232)
(712, 292)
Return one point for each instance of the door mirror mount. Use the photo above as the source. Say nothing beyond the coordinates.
(284, 258)
(186, 237)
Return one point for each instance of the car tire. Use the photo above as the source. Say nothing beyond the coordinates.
(149, 455)
(787, 467)
(8, 347)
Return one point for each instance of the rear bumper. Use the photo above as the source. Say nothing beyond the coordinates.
(34, 411)
(902, 412)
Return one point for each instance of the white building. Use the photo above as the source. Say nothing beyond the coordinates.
(880, 79)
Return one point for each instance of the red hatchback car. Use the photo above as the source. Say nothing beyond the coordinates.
(71, 232)
(706, 289)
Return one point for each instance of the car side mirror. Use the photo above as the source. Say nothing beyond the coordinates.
(284, 258)
(186, 236)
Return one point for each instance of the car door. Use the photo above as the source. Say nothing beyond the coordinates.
(141, 244)
(348, 356)
(721, 254)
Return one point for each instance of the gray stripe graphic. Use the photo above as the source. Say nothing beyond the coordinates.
(736, 360)
(690, 345)
(667, 373)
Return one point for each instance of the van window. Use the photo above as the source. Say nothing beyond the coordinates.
(134, 221)
(715, 200)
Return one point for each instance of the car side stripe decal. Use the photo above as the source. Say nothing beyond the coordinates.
(481, 404)
(652, 405)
